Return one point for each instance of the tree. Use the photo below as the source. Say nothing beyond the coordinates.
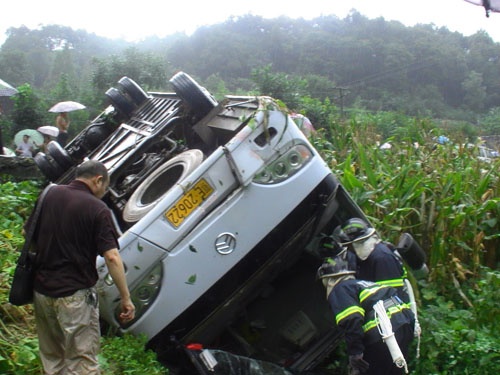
(35, 51)
(475, 92)
(145, 68)
(63, 90)
(63, 66)
(216, 86)
(27, 113)
(14, 67)
(279, 85)
(491, 122)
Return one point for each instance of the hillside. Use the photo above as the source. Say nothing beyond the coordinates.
(354, 62)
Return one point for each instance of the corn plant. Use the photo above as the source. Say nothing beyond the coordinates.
(442, 194)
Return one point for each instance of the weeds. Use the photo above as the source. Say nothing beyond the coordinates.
(127, 355)
(457, 340)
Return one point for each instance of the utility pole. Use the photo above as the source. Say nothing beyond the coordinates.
(343, 91)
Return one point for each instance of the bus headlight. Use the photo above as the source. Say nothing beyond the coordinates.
(143, 294)
(285, 166)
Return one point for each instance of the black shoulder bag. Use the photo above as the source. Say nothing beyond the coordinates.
(21, 290)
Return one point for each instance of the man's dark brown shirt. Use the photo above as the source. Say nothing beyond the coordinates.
(73, 228)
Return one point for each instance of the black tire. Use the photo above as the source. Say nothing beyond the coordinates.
(60, 155)
(199, 100)
(95, 134)
(48, 166)
(132, 89)
(120, 102)
(159, 182)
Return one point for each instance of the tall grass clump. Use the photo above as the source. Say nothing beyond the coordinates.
(18, 342)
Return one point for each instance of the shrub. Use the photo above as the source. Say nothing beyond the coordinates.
(456, 340)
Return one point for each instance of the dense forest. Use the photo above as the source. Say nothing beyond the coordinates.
(355, 62)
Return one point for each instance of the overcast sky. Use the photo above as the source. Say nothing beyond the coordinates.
(135, 20)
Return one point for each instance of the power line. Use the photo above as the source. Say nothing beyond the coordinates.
(409, 68)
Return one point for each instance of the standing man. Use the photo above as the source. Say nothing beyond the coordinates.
(352, 302)
(25, 147)
(62, 123)
(74, 227)
(375, 260)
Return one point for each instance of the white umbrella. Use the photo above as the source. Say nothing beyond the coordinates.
(67, 106)
(6, 89)
(8, 152)
(53, 131)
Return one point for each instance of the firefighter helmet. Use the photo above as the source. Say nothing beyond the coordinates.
(335, 267)
(356, 229)
(340, 235)
(329, 246)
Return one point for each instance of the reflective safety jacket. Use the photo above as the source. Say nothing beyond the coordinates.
(385, 268)
(352, 303)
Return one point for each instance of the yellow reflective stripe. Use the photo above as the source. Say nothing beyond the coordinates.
(395, 283)
(405, 273)
(392, 310)
(369, 325)
(365, 293)
(349, 311)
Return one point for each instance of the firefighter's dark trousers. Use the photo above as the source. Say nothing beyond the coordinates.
(379, 357)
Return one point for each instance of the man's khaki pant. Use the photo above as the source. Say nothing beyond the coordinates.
(68, 333)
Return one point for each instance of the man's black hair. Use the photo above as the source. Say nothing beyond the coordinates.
(91, 168)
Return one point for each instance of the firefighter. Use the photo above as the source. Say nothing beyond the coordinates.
(375, 260)
(352, 302)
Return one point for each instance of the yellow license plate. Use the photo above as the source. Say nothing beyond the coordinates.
(189, 202)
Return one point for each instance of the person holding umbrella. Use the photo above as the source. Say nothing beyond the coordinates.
(25, 148)
(62, 123)
(49, 133)
(62, 119)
